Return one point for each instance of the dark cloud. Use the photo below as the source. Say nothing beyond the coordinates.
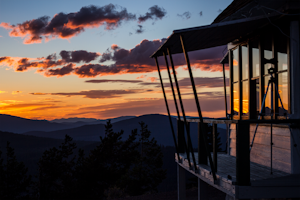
(200, 13)
(68, 25)
(68, 57)
(78, 56)
(60, 71)
(98, 94)
(113, 80)
(185, 15)
(135, 60)
(139, 30)
(155, 13)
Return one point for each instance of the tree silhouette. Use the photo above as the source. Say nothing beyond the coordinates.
(147, 172)
(14, 181)
(56, 170)
(108, 162)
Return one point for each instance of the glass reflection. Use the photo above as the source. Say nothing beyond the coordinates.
(283, 92)
(245, 98)
(268, 97)
(245, 62)
(235, 54)
(282, 61)
(235, 98)
(255, 60)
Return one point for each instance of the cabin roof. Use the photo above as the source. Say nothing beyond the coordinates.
(213, 35)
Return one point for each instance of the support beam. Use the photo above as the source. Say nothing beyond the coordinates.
(176, 106)
(251, 86)
(275, 65)
(197, 104)
(181, 188)
(202, 153)
(230, 83)
(202, 190)
(295, 95)
(183, 113)
(167, 106)
(242, 153)
(215, 145)
(240, 83)
(180, 137)
(261, 76)
(225, 94)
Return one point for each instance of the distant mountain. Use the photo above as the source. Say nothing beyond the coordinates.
(158, 125)
(90, 120)
(21, 125)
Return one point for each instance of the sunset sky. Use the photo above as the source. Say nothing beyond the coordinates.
(61, 59)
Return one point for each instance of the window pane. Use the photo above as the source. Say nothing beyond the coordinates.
(245, 62)
(235, 54)
(235, 98)
(268, 97)
(283, 92)
(257, 96)
(282, 61)
(268, 55)
(245, 98)
(255, 60)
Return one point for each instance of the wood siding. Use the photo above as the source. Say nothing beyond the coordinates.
(260, 153)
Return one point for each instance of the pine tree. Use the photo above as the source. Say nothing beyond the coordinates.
(104, 168)
(13, 174)
(147, 172)
(56, 170)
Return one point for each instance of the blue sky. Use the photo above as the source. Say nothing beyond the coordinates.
(65, 96)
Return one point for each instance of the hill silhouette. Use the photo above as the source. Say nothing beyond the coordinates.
(158, 125)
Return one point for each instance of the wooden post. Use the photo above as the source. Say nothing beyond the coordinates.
(230, 83)
(261, 76)
(295, 95)
(202, 153)
(251, 86)
(202, 190)
(215, 145)
(225, 93)
(242, 153)
(180, 136)
(240, 82)
(181, 183)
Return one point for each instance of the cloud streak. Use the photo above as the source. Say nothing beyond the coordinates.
(94, 94)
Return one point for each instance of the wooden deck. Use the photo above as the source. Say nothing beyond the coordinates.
(279, 184)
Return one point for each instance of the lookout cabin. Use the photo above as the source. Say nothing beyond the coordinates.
(262, 158)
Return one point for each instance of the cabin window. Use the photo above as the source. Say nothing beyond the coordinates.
(243, 81)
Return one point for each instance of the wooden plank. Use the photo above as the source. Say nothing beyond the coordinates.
(277, 164)
(278, 153)
(262, 138)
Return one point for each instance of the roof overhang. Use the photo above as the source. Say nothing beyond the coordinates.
(213, 35)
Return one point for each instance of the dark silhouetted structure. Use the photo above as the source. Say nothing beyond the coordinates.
(263, 149)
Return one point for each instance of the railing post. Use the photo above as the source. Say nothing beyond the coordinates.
(242, 153)
(202, 153)
(180, 136)
(215, 145)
